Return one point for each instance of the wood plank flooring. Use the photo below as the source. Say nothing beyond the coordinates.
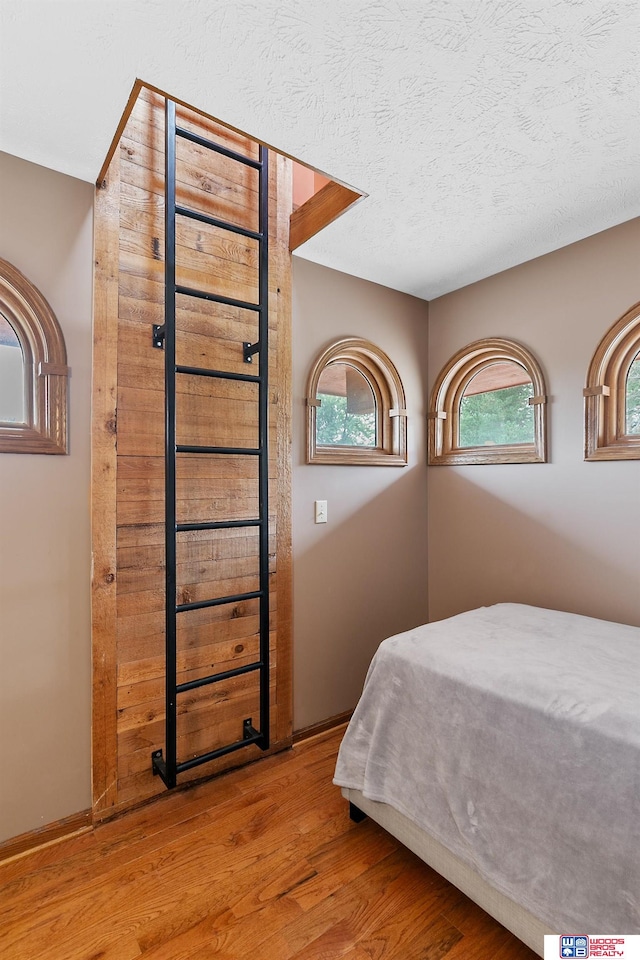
(261, 863)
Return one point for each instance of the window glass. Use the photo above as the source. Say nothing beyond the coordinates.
(347, 412)
(632, 397)
(495, 409)
(12, 375)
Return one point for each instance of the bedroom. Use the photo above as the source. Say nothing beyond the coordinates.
(581, 539)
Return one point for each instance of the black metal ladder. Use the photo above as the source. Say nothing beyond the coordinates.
(168, 766)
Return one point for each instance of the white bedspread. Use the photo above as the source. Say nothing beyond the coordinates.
(512, 735)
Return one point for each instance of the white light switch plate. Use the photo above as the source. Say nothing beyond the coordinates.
(321, 511)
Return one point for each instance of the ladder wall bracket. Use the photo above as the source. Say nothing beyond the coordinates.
(158, 332)
(248, 730)
(159, 767)
(248, 350)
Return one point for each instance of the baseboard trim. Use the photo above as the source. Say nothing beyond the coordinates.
(322, 727)
(84, 821)
(43, 836)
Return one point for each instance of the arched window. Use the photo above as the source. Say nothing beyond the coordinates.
(356, 407)
(612, 393)
(488, 406)
(33, 369)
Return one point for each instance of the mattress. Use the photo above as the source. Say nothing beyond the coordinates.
(511, 735)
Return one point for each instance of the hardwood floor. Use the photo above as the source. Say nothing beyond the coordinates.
(262, 863)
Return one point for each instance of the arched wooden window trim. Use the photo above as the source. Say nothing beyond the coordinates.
(45, 366)
(444, 407)
(605, 392)
(391, 415)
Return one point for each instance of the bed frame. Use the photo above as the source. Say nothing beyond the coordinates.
(519, 921)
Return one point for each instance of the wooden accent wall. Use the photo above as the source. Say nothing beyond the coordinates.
(128, 456)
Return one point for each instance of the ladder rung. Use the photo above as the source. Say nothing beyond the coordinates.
(219, 374)
(236, 451)
(220, 752)
(219, 601)
(214, 222)
(216, 677)
(217, 525)
(217, 298)
(210, 145)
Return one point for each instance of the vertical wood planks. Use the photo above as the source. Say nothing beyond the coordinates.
(128, 477)
(103, 487)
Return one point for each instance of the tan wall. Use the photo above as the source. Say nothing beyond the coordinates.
(361, 576)
(45, 647)
(565, 534)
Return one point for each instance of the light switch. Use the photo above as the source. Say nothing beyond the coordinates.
(321, 511)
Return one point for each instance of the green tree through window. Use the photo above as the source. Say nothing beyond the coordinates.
(497, 417)
(335, 425)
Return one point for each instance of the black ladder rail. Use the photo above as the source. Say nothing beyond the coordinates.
(171, 704)
(164, 336)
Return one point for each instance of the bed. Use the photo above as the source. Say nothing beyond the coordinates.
(503, 747)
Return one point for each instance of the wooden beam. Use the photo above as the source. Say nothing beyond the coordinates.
(103, 489)
(115, 143)
(321, 209)
(281, 365)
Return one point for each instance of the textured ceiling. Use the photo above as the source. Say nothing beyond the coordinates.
(486, 132)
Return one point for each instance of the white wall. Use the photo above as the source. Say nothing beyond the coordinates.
(362, 576)
(45, 641)
(565, 534)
